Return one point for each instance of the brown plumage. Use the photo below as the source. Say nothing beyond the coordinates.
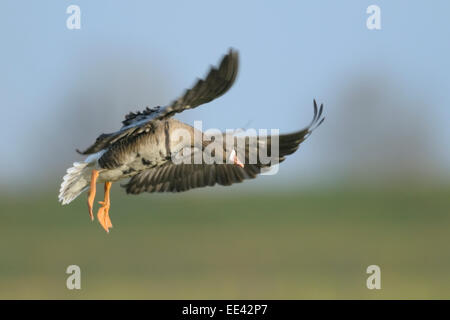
(170, 177)
(150, 150)
(216, 84)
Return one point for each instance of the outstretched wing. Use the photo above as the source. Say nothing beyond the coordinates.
(218, 81)
(182, 177)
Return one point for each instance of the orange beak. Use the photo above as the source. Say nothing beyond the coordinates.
(238, 162)
(235, 159)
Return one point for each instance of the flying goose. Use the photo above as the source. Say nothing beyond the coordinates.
(146, 148)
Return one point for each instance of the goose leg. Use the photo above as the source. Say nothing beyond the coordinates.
(103, 212)
(91, 195)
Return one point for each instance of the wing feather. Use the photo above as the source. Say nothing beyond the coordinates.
(182, 177)
(218, 82)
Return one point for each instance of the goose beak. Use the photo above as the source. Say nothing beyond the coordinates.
(238, 162)
(235, 159)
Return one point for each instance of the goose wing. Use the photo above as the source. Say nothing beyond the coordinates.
(218, 81)
(182, 177)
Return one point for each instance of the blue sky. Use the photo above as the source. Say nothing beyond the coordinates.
(291, 52)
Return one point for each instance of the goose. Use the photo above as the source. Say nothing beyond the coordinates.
(149, 150)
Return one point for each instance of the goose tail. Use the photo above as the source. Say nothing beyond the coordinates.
(74, 182)
(77, 178)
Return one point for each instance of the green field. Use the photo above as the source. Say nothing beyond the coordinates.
(218, 244)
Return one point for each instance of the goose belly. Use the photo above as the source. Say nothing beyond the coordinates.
(137, 162)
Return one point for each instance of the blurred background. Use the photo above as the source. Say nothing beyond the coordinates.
(370, 186)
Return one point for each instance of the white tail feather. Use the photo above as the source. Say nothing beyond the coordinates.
(74, 182)
(77, 178)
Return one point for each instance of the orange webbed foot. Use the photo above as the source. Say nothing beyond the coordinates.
(103, 216)
(103, 212)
